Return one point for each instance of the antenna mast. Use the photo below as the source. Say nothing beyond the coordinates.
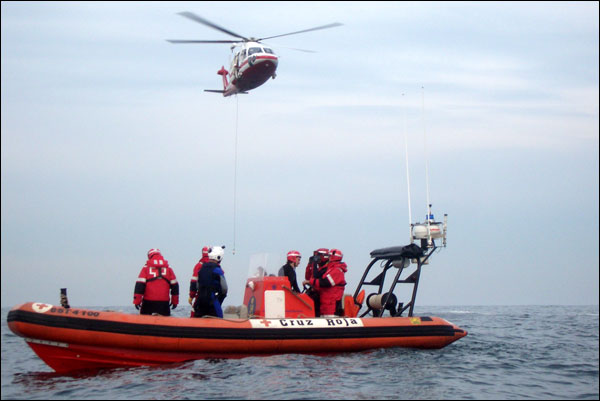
(429, 229)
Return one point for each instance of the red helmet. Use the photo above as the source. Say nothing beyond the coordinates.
(336, 255)
(152, 252)
(205, 251)
(321, 255)
(292, 256)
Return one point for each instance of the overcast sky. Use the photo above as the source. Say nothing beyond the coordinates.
(111, 147)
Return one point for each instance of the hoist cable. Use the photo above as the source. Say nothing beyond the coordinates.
(235, 172)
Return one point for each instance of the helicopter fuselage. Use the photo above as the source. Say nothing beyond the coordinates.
(251, 67)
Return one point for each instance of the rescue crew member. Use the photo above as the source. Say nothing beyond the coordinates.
(289, 269)
(153, 285)
(315, 269)
(194, 280)
(211, 285)
(331, 286)
(321, 255)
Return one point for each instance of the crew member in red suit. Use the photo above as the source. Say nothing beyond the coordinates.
(194, 280)
(152, 288)
(331, 286)
(321, 256)
(315, 270)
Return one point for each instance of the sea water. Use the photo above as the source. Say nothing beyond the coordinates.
(511, 352)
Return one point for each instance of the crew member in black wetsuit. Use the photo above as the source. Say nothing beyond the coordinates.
(289, 269)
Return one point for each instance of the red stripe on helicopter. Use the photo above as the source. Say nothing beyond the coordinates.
(258, 58)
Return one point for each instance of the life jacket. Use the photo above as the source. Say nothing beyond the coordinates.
(156, 280)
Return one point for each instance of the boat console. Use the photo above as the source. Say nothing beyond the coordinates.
(272, 297)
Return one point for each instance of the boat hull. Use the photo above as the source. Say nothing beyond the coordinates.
(73, 339)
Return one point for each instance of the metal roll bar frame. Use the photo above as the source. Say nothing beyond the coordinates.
(390, 256)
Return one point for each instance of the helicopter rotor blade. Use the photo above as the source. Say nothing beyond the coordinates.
(299, 50)
(305, 30)
(291, 48)
(202, 41)
(203, 21)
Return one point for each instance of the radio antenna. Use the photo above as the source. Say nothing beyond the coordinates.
(429, 216)
(410, 237)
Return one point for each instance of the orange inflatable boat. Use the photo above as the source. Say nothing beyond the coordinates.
(280, 321)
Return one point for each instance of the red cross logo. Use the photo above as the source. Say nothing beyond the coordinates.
(266, 322)
(40, 307)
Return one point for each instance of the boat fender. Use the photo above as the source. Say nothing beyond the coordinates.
(236, 312)
(243, 312)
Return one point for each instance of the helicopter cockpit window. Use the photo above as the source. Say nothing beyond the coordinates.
(253, 50)
(243, 54)
(267, 50)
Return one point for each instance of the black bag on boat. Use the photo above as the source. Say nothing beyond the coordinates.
(411, 251)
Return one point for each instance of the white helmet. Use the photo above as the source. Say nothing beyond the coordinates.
(216, 253)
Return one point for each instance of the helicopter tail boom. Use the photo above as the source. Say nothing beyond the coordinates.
(228, 90)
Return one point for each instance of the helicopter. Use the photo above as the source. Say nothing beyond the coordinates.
(254, 62)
